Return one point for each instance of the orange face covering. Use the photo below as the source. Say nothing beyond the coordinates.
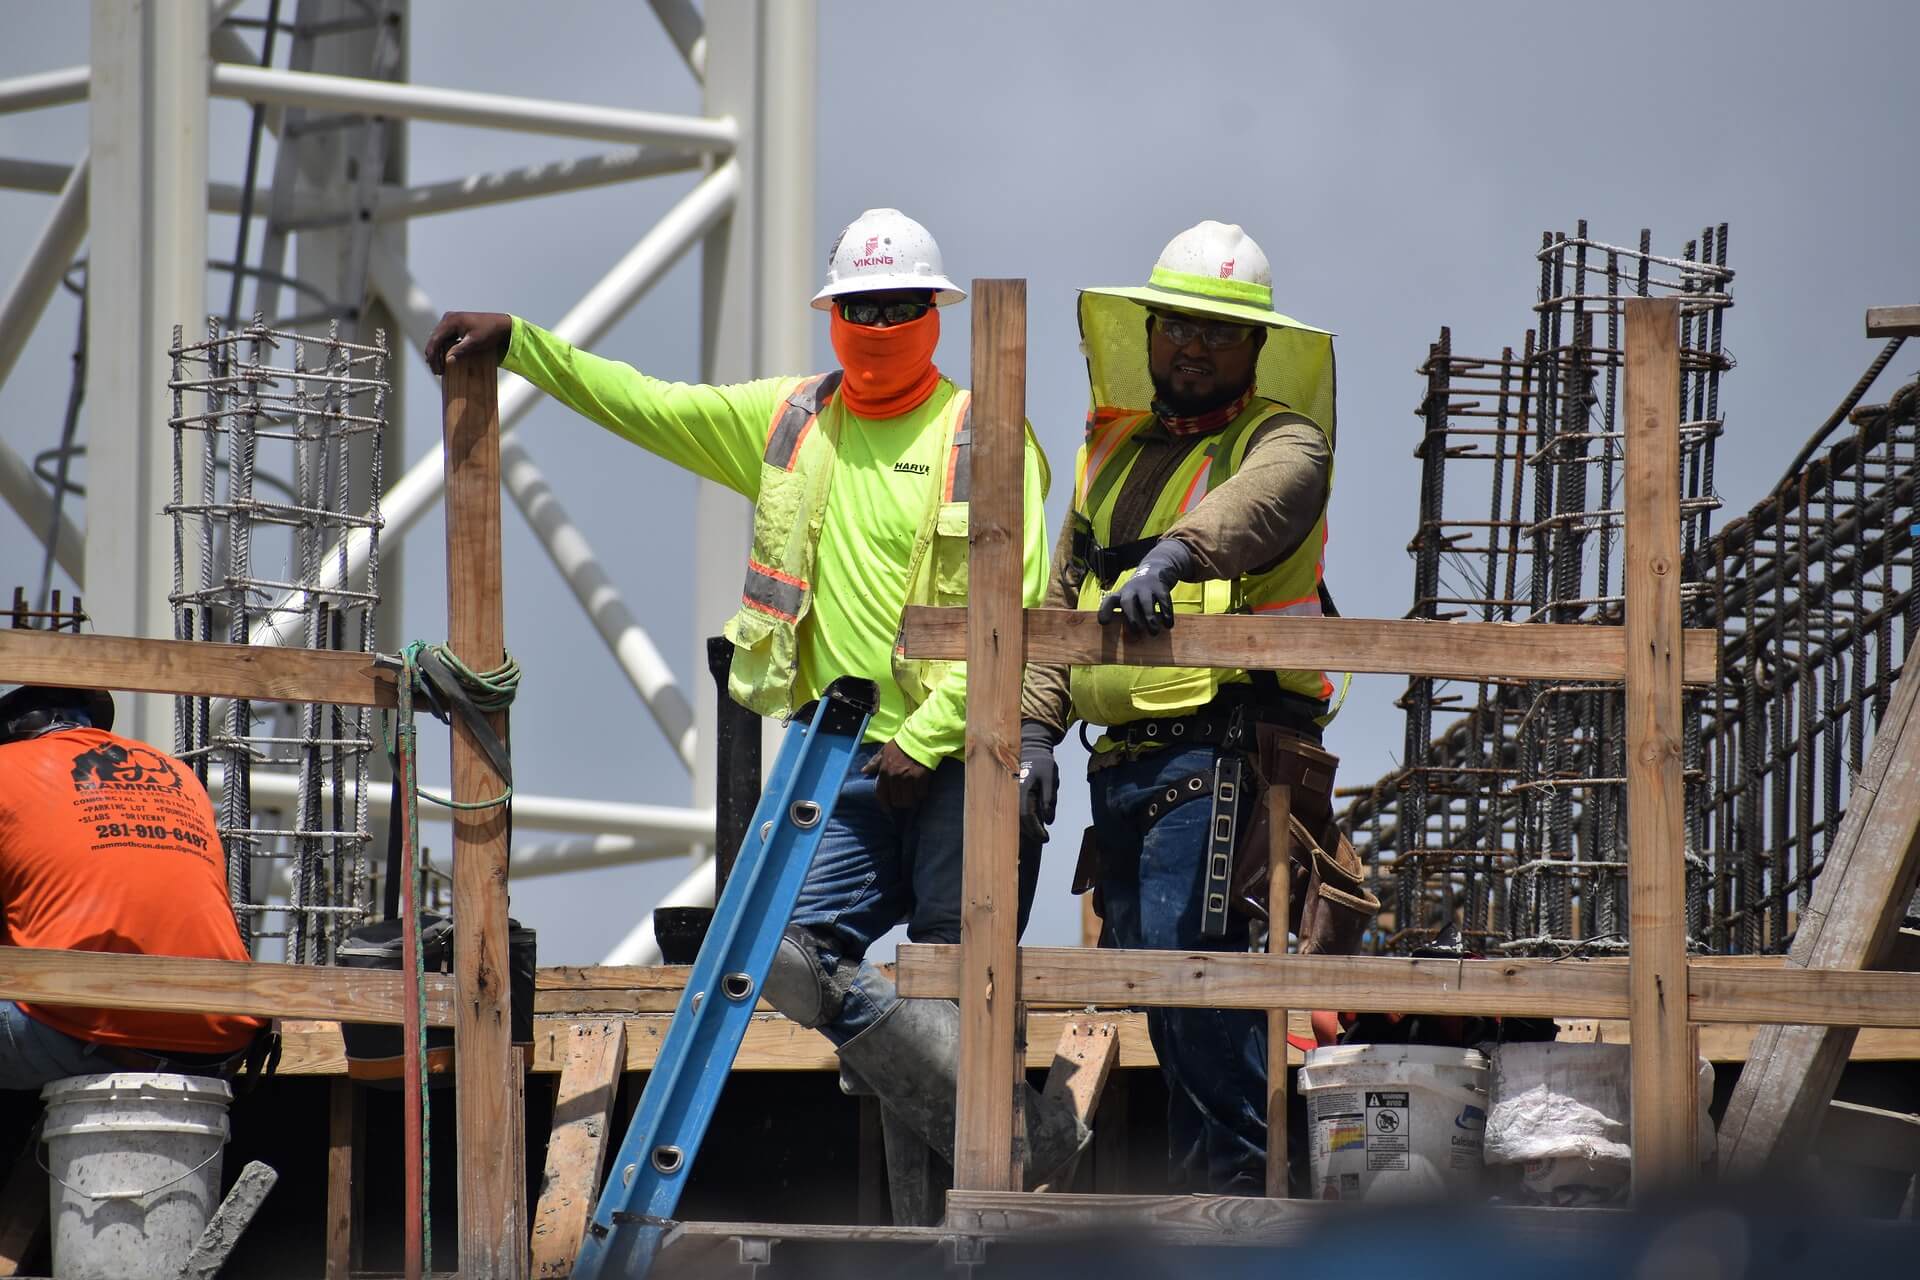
(889, 371)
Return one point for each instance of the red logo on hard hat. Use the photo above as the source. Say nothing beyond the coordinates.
(1226, 269)
(873, 242)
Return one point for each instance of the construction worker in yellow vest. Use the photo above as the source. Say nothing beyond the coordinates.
(1202, 487)
(860, 480)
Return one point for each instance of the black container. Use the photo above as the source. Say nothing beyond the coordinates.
(374, 1051)
(680, 931)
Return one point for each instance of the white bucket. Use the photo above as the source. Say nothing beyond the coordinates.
(134, 1158)
(1395, 1121)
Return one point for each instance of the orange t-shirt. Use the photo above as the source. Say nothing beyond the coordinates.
(109, 845)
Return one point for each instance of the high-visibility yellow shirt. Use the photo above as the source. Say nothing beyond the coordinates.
(888, 473)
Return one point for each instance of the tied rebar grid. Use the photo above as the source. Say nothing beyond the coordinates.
(1510, 822)
(282, 454)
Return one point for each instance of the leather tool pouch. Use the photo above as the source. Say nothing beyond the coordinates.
(1329, 903)
(1091, 869)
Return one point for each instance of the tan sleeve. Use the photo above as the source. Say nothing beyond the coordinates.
(1269, 506)
(1044, 695)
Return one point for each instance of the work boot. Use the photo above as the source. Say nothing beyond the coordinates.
(909, 1058)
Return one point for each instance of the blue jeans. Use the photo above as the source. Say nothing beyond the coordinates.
(33, 1053)
(877, 867)
(1214, 1060)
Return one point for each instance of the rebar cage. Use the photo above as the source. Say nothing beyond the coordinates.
(277, 440)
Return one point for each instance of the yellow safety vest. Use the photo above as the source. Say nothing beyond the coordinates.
(796, 475)
(1120, 694)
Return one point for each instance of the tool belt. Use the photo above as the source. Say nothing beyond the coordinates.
(261, 1056)
(1329, 903)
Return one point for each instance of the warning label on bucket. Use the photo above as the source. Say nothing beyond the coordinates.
(1388, 1130)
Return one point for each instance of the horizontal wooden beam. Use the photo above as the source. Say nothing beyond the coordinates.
(1392, 646)
(102, 980)
(1075, 976)
(262, 673)
(1893, 322)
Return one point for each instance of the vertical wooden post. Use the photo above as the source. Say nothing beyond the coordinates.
(1663, 1066)
(493, 1211)
(1279, 913)
(346, 1187)
(984, 1158)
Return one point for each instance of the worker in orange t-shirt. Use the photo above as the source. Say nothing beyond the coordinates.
(106, 844)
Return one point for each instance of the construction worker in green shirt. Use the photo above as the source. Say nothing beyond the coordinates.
(860, 480)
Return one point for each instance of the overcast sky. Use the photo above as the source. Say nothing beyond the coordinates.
(1397, 162)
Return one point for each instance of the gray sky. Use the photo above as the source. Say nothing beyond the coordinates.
(1396, 161)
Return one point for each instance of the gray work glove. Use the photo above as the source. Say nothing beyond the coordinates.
(1039, 779)
(1145, 601)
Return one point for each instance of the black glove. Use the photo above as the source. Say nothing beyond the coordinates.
(1039, 779)
(1145, 602)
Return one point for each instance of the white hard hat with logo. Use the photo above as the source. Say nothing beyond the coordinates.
(885, 249)
(1213, 269)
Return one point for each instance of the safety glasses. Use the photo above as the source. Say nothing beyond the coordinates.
(868, 312)
(1218, 335)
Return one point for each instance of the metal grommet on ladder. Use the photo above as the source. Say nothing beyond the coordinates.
(805, 814)
(736, 986)
(668, 1159)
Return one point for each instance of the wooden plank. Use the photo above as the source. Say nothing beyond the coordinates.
(1859, 899)
(1279, 913)
(582, 1123)
(1216, 1220)
(259, 672)
(106, 980)
(346, 1185)
(1804, 997)
(1663, 1064)
(773, 1044)
(1856, 1134)
(1393, 646)
(493, 1211)
(1075, 976)
(1893, 322)
(1082, 1060)
(990, 879)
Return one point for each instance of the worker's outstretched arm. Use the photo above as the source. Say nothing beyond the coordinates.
(937, 728)
(715, 432)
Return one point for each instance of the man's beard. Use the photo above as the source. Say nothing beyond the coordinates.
(1169, 403)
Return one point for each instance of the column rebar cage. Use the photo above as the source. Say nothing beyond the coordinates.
(277, 448)
(1509, 823)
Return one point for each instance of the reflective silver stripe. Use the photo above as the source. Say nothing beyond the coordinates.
(774, 594)
(783, 442)
(961, 465)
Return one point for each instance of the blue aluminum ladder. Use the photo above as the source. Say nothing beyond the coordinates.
(711, 1019)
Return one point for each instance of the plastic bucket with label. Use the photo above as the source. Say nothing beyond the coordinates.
(1395, 1121)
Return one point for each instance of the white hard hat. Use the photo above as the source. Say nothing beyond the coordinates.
(885, 249)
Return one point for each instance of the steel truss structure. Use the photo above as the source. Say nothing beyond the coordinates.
(327, 84)
(1506, 818)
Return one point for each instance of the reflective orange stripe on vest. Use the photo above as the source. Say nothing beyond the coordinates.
(771, 591)
(959, 486)
(1105, 435)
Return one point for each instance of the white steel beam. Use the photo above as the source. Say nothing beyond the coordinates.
(148, 217)
(566, 546)
(651, 825)
(45, 267)
(49, 178)
(34, 505)
(551, 178)
(45, 89)
(688, 31)
(317, 91)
